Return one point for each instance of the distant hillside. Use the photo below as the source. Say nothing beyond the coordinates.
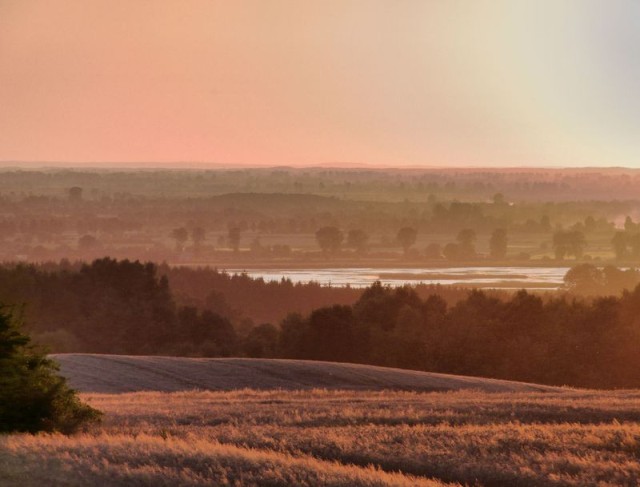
(122, 373)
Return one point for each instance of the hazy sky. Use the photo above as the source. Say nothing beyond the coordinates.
(396, 82)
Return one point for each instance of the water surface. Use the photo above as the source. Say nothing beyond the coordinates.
(493, 277)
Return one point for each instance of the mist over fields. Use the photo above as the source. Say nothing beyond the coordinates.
(257, 217)
(333, 243)
(136, 281)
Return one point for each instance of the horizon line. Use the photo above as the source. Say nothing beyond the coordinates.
(201, 165)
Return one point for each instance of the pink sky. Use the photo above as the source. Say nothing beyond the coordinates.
(397, 82)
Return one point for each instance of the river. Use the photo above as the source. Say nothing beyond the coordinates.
(488, 277)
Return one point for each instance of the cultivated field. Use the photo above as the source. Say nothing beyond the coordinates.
(121, 373)
(290, 422)
(340, 438)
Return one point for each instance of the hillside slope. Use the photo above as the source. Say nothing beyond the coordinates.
(122, 373)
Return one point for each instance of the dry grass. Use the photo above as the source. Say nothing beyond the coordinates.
(576, 438)
(121, 373)
(113, 459)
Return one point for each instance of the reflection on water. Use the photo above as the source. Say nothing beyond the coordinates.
(494, 277)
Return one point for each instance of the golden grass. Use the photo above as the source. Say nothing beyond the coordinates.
(117, 459)
(246, 437)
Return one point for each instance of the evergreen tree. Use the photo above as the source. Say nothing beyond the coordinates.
(33, 397)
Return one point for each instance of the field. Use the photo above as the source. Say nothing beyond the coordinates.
(121, 373)
(344, 438)
(528, 436)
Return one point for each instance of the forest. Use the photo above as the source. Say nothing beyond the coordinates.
(574, 337)
(557, 341)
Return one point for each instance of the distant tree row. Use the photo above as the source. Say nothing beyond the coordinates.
(479, 184)
(51, 216)
(588, 279)
(181, 235)
(198, 236)
(626, 244)
(116, 306)
(330, 240)
(555, 341)
(113, 306)
(568, 243)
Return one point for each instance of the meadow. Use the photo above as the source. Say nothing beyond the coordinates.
(98, 373)
(340, 438)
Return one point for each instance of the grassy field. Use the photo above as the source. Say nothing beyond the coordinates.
(121, 373)
(340, 438)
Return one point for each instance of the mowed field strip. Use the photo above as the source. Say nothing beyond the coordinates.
(120, 373)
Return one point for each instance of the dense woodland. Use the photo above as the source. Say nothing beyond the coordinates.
(557, 341)
(93, 307)
(241, 297)
(112, 306)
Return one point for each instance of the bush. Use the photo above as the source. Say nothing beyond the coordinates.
(33, 397)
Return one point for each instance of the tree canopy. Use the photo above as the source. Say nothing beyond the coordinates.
(33, 397)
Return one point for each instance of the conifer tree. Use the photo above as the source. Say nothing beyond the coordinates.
(33, 397)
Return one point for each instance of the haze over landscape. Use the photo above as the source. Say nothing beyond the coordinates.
(319, 243)
(414, 83)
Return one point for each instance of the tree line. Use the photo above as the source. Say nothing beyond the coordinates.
(152, 216)
(120, 306)
(558, 340)
(112, 306)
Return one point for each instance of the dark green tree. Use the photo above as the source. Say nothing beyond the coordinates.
(33, 397)
(629, 225)
(619, 242)
(233, 237)
(634, 244)
(568, 243)
(451, 251)
(329, 239)
(75, 194)
(466, 239)
(358, 239)
(498, 244)
(198, 235)
(293, 340)
(585, 279)
(180, 235)
(407, 237)
(262, 341)
(331, 332)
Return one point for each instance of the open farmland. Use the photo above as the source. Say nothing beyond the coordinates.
(121, 373)
(466, 431)
(349, 438)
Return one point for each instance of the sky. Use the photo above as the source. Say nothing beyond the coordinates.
(320, 82)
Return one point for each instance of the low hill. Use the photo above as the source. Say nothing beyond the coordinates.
(123, 373)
